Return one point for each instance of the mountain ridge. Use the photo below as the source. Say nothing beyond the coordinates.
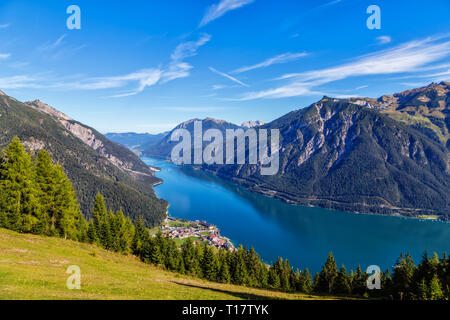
(93, 163)
(357, 154)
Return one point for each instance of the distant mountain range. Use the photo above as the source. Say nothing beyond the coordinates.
(137, 142)
(388, 155)
(92, 162)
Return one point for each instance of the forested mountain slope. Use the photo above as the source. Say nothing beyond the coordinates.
(93, 163)
(388, 155)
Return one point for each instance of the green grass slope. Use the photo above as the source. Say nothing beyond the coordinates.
(34, 267)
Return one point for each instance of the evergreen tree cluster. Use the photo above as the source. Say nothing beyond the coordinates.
(37, 197)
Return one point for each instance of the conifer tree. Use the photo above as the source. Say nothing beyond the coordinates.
(403, 275)
(155, 252)
(92, 233)
(342, 284)
(304, 282)
(188, 254)
(422, 290)
(58, 198)
(328, 275)
(19, 194)
(102, 221)
(358, 284)
(239, 269)
(435, 289)
(253, 266)
(274, 279)
(208, 263)
(140, 237)
(224, 273)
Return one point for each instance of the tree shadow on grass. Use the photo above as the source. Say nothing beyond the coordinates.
(241, 295)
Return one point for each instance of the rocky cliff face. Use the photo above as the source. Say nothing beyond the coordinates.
(94, 140)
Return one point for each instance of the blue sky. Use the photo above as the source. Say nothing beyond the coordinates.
(146, 66)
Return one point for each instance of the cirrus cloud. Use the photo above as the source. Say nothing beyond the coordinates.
(217, 10)
(409, 57)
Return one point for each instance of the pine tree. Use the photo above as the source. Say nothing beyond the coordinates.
(358, 282)
(274, 279)
(208, 263)
(328, 275)
(304, 283)
(435, 289)
(19, 194)
(253, 264)
(92, 233)
(140, 237)
(224, 273)
(342, 284)
(287, 276)
(58, 199)
(188, 254)
(155, 252)
(422, 290)
(403, 276)
(239, 269)
(123, 233)
(101, 221)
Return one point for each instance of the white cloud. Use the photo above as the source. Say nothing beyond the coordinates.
(177, 68)
(228, 76)
(5, 25)
(176, 71)
(290, 90)
(217, 10)
(408, 57)
(384, 39)
(48, 46)
(282, 58)
(144, 78)
(4, 56)
(19, 82)
(189, 48)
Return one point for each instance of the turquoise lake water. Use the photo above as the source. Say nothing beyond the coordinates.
(304, 235)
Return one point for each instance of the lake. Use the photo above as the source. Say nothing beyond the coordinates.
(304, 235)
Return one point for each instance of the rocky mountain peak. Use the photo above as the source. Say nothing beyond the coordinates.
(45, 108)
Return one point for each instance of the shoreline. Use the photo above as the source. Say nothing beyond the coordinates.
(303, 202)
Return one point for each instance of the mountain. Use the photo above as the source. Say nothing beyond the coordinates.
(252, 123)
(163, 147)
(388, 155)
(135, 141)
(92, 162)
(427, 109)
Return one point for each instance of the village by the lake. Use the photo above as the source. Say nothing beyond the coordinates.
(198, 231)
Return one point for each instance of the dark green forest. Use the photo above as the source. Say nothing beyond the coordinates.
(37, 197)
